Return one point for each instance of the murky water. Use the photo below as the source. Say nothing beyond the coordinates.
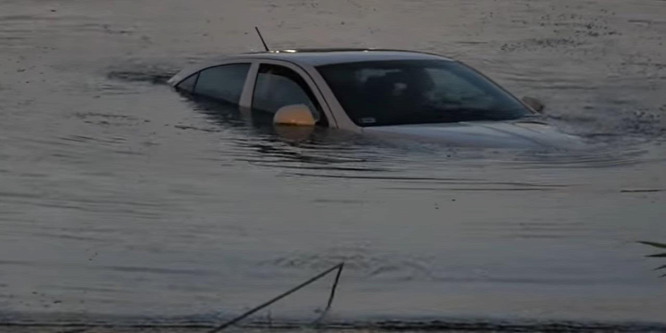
(120, 199)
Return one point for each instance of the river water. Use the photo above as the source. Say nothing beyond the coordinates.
(122, 201)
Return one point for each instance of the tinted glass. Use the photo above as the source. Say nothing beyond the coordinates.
(188, 84)
(224, 83)
(418, 92)
(279, 86)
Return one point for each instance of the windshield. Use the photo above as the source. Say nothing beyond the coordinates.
(417, 92)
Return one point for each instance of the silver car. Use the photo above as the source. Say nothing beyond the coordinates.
(379, 92)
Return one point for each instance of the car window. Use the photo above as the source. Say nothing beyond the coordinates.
(224, 82)
(452, 88)
(278, 86)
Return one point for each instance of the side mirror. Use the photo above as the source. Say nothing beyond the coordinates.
(534, 104)
(294, 115)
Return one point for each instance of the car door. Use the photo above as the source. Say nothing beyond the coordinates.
(277, 84)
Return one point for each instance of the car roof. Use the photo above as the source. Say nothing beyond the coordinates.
(319, 57)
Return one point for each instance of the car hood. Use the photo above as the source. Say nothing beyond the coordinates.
(490, 134)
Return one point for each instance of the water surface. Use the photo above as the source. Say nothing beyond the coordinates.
(121, 199)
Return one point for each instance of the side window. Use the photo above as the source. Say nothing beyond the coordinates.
(224, 82)
(278, 86)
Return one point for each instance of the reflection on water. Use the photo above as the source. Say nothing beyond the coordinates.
(123, 202)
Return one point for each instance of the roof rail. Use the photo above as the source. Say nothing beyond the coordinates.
(341, 49)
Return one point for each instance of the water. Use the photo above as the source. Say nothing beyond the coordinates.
(124, 202)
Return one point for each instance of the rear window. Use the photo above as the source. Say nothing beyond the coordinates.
(188, 84)
(224, 83)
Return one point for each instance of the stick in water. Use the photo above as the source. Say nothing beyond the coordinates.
(287, 293)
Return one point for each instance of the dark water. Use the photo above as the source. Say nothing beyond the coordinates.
(121, 201)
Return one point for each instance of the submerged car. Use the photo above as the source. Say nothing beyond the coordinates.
(381, 92)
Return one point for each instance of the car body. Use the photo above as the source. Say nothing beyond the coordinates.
(388, 93)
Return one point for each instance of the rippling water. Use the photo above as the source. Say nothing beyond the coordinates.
(121, 199)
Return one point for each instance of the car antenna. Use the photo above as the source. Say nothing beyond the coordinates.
(262, 39)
